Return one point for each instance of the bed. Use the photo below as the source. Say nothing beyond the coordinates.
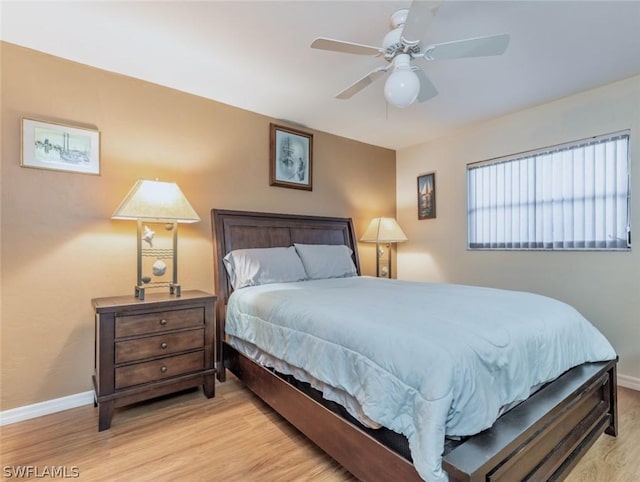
(541, 438)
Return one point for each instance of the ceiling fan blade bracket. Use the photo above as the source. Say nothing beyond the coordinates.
(427, 54)
(410, 43)
(413, 49)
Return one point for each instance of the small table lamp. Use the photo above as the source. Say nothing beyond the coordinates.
(383, 231)
(156, 202)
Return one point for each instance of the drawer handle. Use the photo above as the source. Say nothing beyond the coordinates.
(164, 346)
(163, 322)
(163, 369)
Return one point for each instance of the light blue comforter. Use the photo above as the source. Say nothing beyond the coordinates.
(425, 360)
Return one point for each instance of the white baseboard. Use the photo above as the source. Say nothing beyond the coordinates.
(85, 398)
(629, 382)
(45, 408)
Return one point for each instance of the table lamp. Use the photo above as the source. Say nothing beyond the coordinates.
(151, 202)
(383, 232)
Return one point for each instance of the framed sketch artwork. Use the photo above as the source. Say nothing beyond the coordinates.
(291, 158)
(60, 147)
(427, 196)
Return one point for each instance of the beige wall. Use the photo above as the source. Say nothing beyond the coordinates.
(604, 286)
(59, 246)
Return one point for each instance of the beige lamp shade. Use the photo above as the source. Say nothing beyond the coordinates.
(156, 201)
(383, 230)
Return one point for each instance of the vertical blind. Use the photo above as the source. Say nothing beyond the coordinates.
(572, 196)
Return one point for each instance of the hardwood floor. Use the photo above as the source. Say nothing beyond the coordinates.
(233, 437)
(615, 459)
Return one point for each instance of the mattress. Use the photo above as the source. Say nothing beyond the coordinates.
(425, 360)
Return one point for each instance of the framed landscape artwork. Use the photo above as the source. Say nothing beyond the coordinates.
(47, 145)
(291, 158)
(427, 196)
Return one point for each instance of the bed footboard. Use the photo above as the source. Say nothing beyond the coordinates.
(543, 438)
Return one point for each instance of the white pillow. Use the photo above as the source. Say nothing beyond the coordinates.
(252, 267)
(326, 261)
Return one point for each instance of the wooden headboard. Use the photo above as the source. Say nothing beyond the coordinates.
(245, 229)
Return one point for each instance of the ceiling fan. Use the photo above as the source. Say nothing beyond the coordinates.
(402, 44)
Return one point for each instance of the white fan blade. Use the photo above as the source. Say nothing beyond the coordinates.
(473, 47)
(358, 85)
(346, 47)
(420, 15)
(427, 89)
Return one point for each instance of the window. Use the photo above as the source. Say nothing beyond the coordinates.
(573, 196)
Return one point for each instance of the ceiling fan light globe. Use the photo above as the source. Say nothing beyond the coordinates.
(402, 88)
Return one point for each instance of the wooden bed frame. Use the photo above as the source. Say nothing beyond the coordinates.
(540, 439)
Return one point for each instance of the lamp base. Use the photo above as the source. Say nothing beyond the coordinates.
(383, 260)
(174, 289)
(158, 253)
(139, 292)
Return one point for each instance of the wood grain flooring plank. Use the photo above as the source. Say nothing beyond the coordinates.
(233, 437)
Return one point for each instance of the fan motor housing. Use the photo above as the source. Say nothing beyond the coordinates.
(393, 43)
(399, 17)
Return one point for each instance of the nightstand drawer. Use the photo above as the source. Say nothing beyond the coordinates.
(159, 345)
(147, 323)
(159, 369)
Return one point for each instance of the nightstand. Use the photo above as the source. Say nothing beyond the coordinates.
(152, 347)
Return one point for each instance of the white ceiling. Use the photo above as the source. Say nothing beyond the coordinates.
(256, 55)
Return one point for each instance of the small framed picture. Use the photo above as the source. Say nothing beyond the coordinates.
(427, 196)
(291, 158)
(47, 145)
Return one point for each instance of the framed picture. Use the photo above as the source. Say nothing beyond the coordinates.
(46, 145)
(291, 158)
(427, 196)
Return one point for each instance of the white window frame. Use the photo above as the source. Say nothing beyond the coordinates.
(573, 201)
